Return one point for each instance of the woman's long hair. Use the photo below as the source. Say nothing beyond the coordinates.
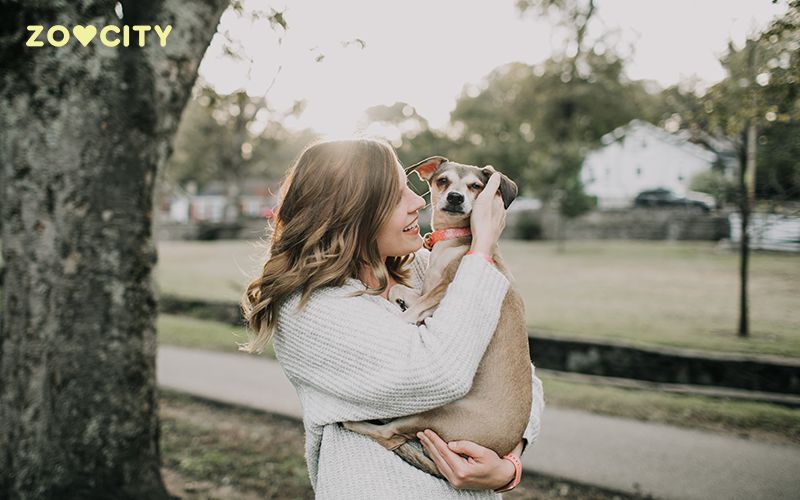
(337, 198)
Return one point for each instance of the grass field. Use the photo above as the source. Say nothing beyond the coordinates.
(682, 294)
(679, 294)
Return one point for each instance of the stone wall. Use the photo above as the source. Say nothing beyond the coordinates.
(645, 223)
(603, 357)
(661, 364)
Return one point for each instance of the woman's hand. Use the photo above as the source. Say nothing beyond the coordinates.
(488, 217)
(468, 466)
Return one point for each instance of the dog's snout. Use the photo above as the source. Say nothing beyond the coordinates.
(455, 198)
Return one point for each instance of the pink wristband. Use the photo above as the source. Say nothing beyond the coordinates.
(488, 259)
(517, 473)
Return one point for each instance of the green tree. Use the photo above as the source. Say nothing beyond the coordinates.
(84, 134)
(759, 96)
(538, 123)
(230, 138)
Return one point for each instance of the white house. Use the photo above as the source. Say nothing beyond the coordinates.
(638, 157)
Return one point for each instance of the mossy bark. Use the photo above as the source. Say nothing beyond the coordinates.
(84, 133)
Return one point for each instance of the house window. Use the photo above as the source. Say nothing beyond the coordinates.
(638, 172)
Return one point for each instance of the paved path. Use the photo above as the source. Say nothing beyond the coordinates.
(622, 454)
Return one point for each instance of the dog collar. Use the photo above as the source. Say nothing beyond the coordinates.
(435, 237)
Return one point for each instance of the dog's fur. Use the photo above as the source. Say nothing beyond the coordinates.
(495, 411)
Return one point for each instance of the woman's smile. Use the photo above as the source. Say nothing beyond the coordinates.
(412, 228)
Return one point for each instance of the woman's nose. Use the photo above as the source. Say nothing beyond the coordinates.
(420, 202)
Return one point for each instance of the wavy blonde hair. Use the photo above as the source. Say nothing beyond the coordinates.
(337, 198)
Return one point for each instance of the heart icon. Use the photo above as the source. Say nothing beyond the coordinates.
(84, 34)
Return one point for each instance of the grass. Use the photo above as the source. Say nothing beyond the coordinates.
(762, 421)
(215, 447)
(184, 331)
(211, 270)
(682, 294)
(677, 294)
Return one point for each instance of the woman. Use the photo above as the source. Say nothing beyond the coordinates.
(346, 231)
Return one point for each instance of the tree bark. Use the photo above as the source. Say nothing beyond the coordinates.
(84, 134)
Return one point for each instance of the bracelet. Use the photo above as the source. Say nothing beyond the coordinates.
(517, 473)
(488, 259)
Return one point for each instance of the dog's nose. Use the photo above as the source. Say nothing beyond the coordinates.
(455, 198)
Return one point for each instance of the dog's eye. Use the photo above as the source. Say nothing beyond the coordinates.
(442, 182)
(476, 186)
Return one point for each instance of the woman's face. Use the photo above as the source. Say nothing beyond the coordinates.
(401, 236)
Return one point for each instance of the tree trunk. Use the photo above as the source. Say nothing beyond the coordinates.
(84, 133)
(744, 246)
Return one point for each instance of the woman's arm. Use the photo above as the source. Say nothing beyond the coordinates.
(353, 349)
(470, 466)
(537, 407)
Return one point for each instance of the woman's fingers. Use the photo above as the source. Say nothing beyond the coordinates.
(491, 187)
(466, 448)
(488, 217)
(434, 447)
(465, 464)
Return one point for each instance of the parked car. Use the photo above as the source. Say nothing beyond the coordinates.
(665, 197)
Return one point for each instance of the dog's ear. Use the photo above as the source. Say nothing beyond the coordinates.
(426, 167)
(508, 188)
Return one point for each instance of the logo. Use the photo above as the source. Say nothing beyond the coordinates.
(58, 36)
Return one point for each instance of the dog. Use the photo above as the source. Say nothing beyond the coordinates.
(496, 410)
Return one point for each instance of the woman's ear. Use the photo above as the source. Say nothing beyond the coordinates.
(426, 167)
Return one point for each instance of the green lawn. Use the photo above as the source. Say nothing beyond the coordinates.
(743, 418)
(678, 294)
(682, 294)
(195, 333)
(218, 270)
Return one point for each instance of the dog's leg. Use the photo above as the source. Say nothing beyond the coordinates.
(429, 301)
(387, 437)
(403, 296)
(424, 307)
(384, 434)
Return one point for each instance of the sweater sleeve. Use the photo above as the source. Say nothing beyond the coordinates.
(359, 361)
(537, 407)
(418, 267)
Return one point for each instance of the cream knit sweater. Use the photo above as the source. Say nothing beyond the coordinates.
(351, 358)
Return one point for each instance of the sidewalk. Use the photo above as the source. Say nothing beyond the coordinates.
(621, 454)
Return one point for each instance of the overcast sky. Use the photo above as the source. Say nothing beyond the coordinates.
(424, 52)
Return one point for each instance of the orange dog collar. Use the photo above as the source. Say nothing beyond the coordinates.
(435, 237)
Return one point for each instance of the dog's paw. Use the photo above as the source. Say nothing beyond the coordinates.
(403, 296)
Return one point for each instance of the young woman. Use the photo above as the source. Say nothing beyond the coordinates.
(345, 232)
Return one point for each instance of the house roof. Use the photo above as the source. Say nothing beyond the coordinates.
(680, 141)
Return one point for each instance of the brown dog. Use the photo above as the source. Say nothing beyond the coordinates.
(495, 411)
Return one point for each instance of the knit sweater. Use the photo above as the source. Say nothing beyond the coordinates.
(351, 358)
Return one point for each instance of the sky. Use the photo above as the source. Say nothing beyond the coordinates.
(427, 52)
